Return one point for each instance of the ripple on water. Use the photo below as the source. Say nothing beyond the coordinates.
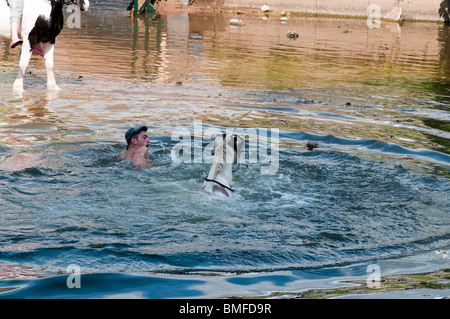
(323, 207)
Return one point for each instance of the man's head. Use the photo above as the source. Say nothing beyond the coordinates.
(137, 137)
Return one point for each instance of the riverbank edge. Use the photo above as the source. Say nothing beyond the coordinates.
(361, 12)
(435, 280)
(401, 284)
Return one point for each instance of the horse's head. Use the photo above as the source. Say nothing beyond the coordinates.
(84, 4)
(228, 147)
(227, 150)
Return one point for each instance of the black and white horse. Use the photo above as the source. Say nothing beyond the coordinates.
(227, 150)
(42, 21)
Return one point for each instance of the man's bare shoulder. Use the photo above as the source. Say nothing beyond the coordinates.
(140, 158)
(124, 155)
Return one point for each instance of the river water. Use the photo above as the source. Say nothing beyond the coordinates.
(377, 188)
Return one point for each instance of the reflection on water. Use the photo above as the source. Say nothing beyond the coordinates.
(388, 83)
(373, 98)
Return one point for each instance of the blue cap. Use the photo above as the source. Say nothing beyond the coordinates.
(134, 131)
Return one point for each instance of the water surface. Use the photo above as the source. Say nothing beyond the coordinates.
(377, 188)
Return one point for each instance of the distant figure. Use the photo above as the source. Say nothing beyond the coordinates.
(137, 149)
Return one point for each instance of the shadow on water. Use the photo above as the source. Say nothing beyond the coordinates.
(115, 286)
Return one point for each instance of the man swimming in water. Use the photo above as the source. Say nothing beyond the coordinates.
(137, 149)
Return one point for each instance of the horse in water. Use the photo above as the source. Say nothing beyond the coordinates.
(42, 21)
(227, 150)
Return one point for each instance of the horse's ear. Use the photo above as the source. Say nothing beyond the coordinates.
(240, 143)
(215, 143)
(219, 139)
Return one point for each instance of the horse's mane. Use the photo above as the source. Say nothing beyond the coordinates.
(220, 152)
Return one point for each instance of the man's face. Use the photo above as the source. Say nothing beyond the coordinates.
(142, 139)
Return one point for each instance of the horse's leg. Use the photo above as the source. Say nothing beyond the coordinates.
(48, 50)
(23, 64)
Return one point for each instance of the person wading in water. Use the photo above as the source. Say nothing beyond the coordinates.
(137, 149)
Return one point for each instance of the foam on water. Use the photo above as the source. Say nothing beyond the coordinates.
(322, 208)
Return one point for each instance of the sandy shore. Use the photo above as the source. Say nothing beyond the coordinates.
(435, 284)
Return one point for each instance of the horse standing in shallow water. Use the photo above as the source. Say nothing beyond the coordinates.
(42, 21)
